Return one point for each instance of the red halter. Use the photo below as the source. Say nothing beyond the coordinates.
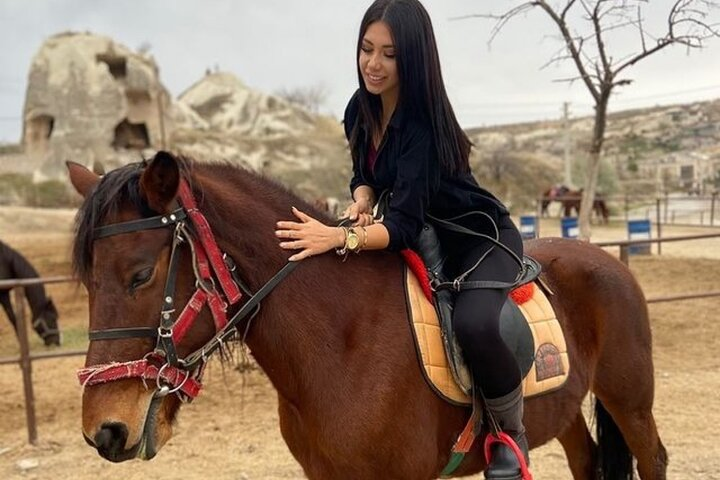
(170, 373)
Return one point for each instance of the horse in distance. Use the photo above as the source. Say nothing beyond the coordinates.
(14, 265)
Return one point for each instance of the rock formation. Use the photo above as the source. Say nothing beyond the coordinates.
(227, 105)
(94, 101)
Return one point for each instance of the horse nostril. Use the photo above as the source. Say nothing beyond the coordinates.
(110, 440)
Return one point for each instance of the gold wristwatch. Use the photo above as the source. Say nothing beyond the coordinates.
(352, 240)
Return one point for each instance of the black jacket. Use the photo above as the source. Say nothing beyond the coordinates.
(408, 166)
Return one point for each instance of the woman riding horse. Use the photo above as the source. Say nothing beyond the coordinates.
(404, 138)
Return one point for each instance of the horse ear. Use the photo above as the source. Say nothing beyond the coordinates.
(81, 178)
(160, 181)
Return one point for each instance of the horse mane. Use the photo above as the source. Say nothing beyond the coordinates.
(118, 186)
(19, 265)
(121, 186)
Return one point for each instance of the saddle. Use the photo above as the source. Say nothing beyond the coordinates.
(528, 325)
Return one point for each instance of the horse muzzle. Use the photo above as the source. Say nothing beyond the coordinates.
(111, 439)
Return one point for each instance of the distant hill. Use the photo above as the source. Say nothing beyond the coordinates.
(664, 148)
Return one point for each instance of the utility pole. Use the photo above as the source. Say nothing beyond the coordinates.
(566, 140)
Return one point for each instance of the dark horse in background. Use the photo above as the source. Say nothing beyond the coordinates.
(570, 201)
(44, 314)
(333, 336)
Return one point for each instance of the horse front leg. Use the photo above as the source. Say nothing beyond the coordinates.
(7, 306)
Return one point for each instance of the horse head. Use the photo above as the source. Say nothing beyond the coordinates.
(46, 324)
(127, 411)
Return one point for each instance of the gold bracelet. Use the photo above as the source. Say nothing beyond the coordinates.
(343, 250)
(363, 244)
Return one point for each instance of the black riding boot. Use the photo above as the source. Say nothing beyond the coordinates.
(507, 412)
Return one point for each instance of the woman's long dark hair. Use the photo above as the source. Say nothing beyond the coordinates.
(422, 90)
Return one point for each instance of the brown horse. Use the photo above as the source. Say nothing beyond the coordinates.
(570, 201)
(550, 195)
(333, 337)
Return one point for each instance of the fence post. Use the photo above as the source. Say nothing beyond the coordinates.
(624, 255)
(658, 225)
(26, 365)
(712, 207)
(627, 207)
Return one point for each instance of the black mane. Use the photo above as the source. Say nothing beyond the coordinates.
(116, 187)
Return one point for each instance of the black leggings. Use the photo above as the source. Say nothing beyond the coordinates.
(476, 317)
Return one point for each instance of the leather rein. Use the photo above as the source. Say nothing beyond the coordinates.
(163, 365)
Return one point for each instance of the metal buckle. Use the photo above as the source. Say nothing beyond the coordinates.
(163, 390)
(165, 332)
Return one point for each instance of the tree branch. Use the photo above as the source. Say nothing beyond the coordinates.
(570, 43)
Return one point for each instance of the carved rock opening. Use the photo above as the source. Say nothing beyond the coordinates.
(131, 135)
(117, 64)
(38, 131)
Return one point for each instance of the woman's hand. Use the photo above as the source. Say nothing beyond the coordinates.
(309, 236)
(360, 213)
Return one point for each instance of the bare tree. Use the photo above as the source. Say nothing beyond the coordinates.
(687, 24)
(310, 98)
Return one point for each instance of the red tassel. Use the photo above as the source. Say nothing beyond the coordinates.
(523, 293)
(417, 266)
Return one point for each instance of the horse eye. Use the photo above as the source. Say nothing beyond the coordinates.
(140, 278)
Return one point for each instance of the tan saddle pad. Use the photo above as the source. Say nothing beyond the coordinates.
(550, 367)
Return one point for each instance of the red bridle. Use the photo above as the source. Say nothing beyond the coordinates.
(171, 373)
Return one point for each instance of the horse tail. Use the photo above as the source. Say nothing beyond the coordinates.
(614, 457)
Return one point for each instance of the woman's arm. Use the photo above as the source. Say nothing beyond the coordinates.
(312, 237)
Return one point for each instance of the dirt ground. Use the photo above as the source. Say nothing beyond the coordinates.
(231, 431)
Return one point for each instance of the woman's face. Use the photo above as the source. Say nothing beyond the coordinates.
(377, 60)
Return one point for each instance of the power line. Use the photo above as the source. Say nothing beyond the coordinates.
(668, 94)
(617, 98)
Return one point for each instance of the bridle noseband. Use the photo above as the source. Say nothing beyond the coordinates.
(211, 267)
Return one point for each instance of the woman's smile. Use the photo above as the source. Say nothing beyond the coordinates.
(376, 61)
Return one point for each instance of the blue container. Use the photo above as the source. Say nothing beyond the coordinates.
(569, 227)
(528, 227)
(638, 229)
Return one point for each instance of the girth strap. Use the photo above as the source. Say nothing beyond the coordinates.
(475, 284)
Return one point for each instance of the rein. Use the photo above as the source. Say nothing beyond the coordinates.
(171, 373)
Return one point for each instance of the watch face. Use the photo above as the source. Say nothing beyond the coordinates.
(353, 241)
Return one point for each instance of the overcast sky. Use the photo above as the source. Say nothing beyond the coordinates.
(275, 44)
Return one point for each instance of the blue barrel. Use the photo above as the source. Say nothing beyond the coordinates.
(528, 227)
(638, 229)
(569, 227)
